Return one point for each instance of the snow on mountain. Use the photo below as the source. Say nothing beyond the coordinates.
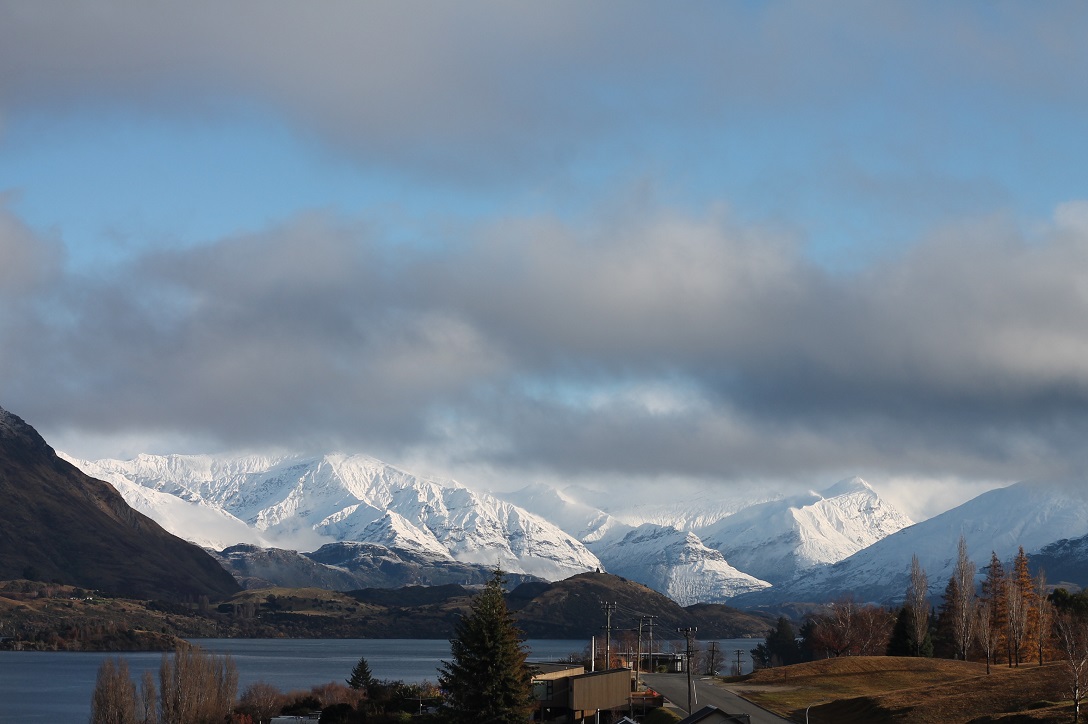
(675, 563)
(302, 502)
(778, 539)
(585, 522)
(1027, 514)
(203, 524)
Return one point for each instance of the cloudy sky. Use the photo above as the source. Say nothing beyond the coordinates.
(736, 247)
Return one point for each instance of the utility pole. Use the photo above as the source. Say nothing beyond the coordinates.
(712, 658)
(651, 618)
(739, 652)
(638, 657)
(689, 634)
(609, 609)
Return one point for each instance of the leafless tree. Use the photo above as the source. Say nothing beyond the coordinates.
(1044, 616)
(196, 687)
(963, 600)
(918, 602)
(987, 633)
(114, 697)
(262, 701)
(148, 704)
(1071, 632)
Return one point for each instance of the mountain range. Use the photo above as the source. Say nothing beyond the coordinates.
(366, 523)
(369, 523)
(1034, 515)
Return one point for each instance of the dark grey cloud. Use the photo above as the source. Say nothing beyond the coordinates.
(667, 343)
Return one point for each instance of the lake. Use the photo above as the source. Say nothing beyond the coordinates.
(42, 686)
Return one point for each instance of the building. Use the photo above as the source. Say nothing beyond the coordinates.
(566, 693)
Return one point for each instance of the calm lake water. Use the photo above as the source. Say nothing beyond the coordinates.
(56, 687)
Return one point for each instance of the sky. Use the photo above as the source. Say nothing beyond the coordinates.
(649, 252)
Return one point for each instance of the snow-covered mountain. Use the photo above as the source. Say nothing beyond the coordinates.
(777, 540)
(300, 503)
(583, 521)
(1030, 514)
(675, 563)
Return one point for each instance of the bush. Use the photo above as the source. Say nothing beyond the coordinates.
(661, 716)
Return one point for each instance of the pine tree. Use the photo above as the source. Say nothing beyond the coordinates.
(361, 678)
(487, 679)
(901, 642)
(993, 593)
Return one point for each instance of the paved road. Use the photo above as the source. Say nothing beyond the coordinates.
(707, 691)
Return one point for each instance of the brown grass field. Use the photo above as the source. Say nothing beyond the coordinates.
(870, 690)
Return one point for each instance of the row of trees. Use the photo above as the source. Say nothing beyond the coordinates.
(1010, 617)
(487, 679)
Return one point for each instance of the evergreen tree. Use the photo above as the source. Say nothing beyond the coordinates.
(997, 604)
(901, 642)
(904, 641)
(782, 644)
(361, 678)
(487, 679)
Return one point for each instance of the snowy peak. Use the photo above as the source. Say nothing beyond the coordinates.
(394, 531)
(585, 522)
(849, 486)
(300, 503)
(1031, 515)
(776, 540)
(677, 564)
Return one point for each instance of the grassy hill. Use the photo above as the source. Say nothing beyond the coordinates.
(870, 690)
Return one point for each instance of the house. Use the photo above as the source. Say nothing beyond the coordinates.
(566, 693)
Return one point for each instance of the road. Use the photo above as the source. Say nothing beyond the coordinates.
(707, 691)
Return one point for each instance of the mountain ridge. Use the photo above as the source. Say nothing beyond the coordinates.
(58, 523)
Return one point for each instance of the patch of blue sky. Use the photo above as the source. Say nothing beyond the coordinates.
(113, 184)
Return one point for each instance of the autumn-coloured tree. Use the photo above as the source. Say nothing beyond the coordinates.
(1020, 593)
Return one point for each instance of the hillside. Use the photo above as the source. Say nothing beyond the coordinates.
(58, 524)
(871, 690)
(567, 609)
(573, 608)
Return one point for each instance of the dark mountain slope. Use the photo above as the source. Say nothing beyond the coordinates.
(58, 524)
(573, 608)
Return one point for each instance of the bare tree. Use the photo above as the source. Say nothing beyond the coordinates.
(986, 632)
(917, 602)
(1044, 616)
(963, 601)
(148, 706)
(262, 701)
(114, 698)
(1071, 632)
(197, 687)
